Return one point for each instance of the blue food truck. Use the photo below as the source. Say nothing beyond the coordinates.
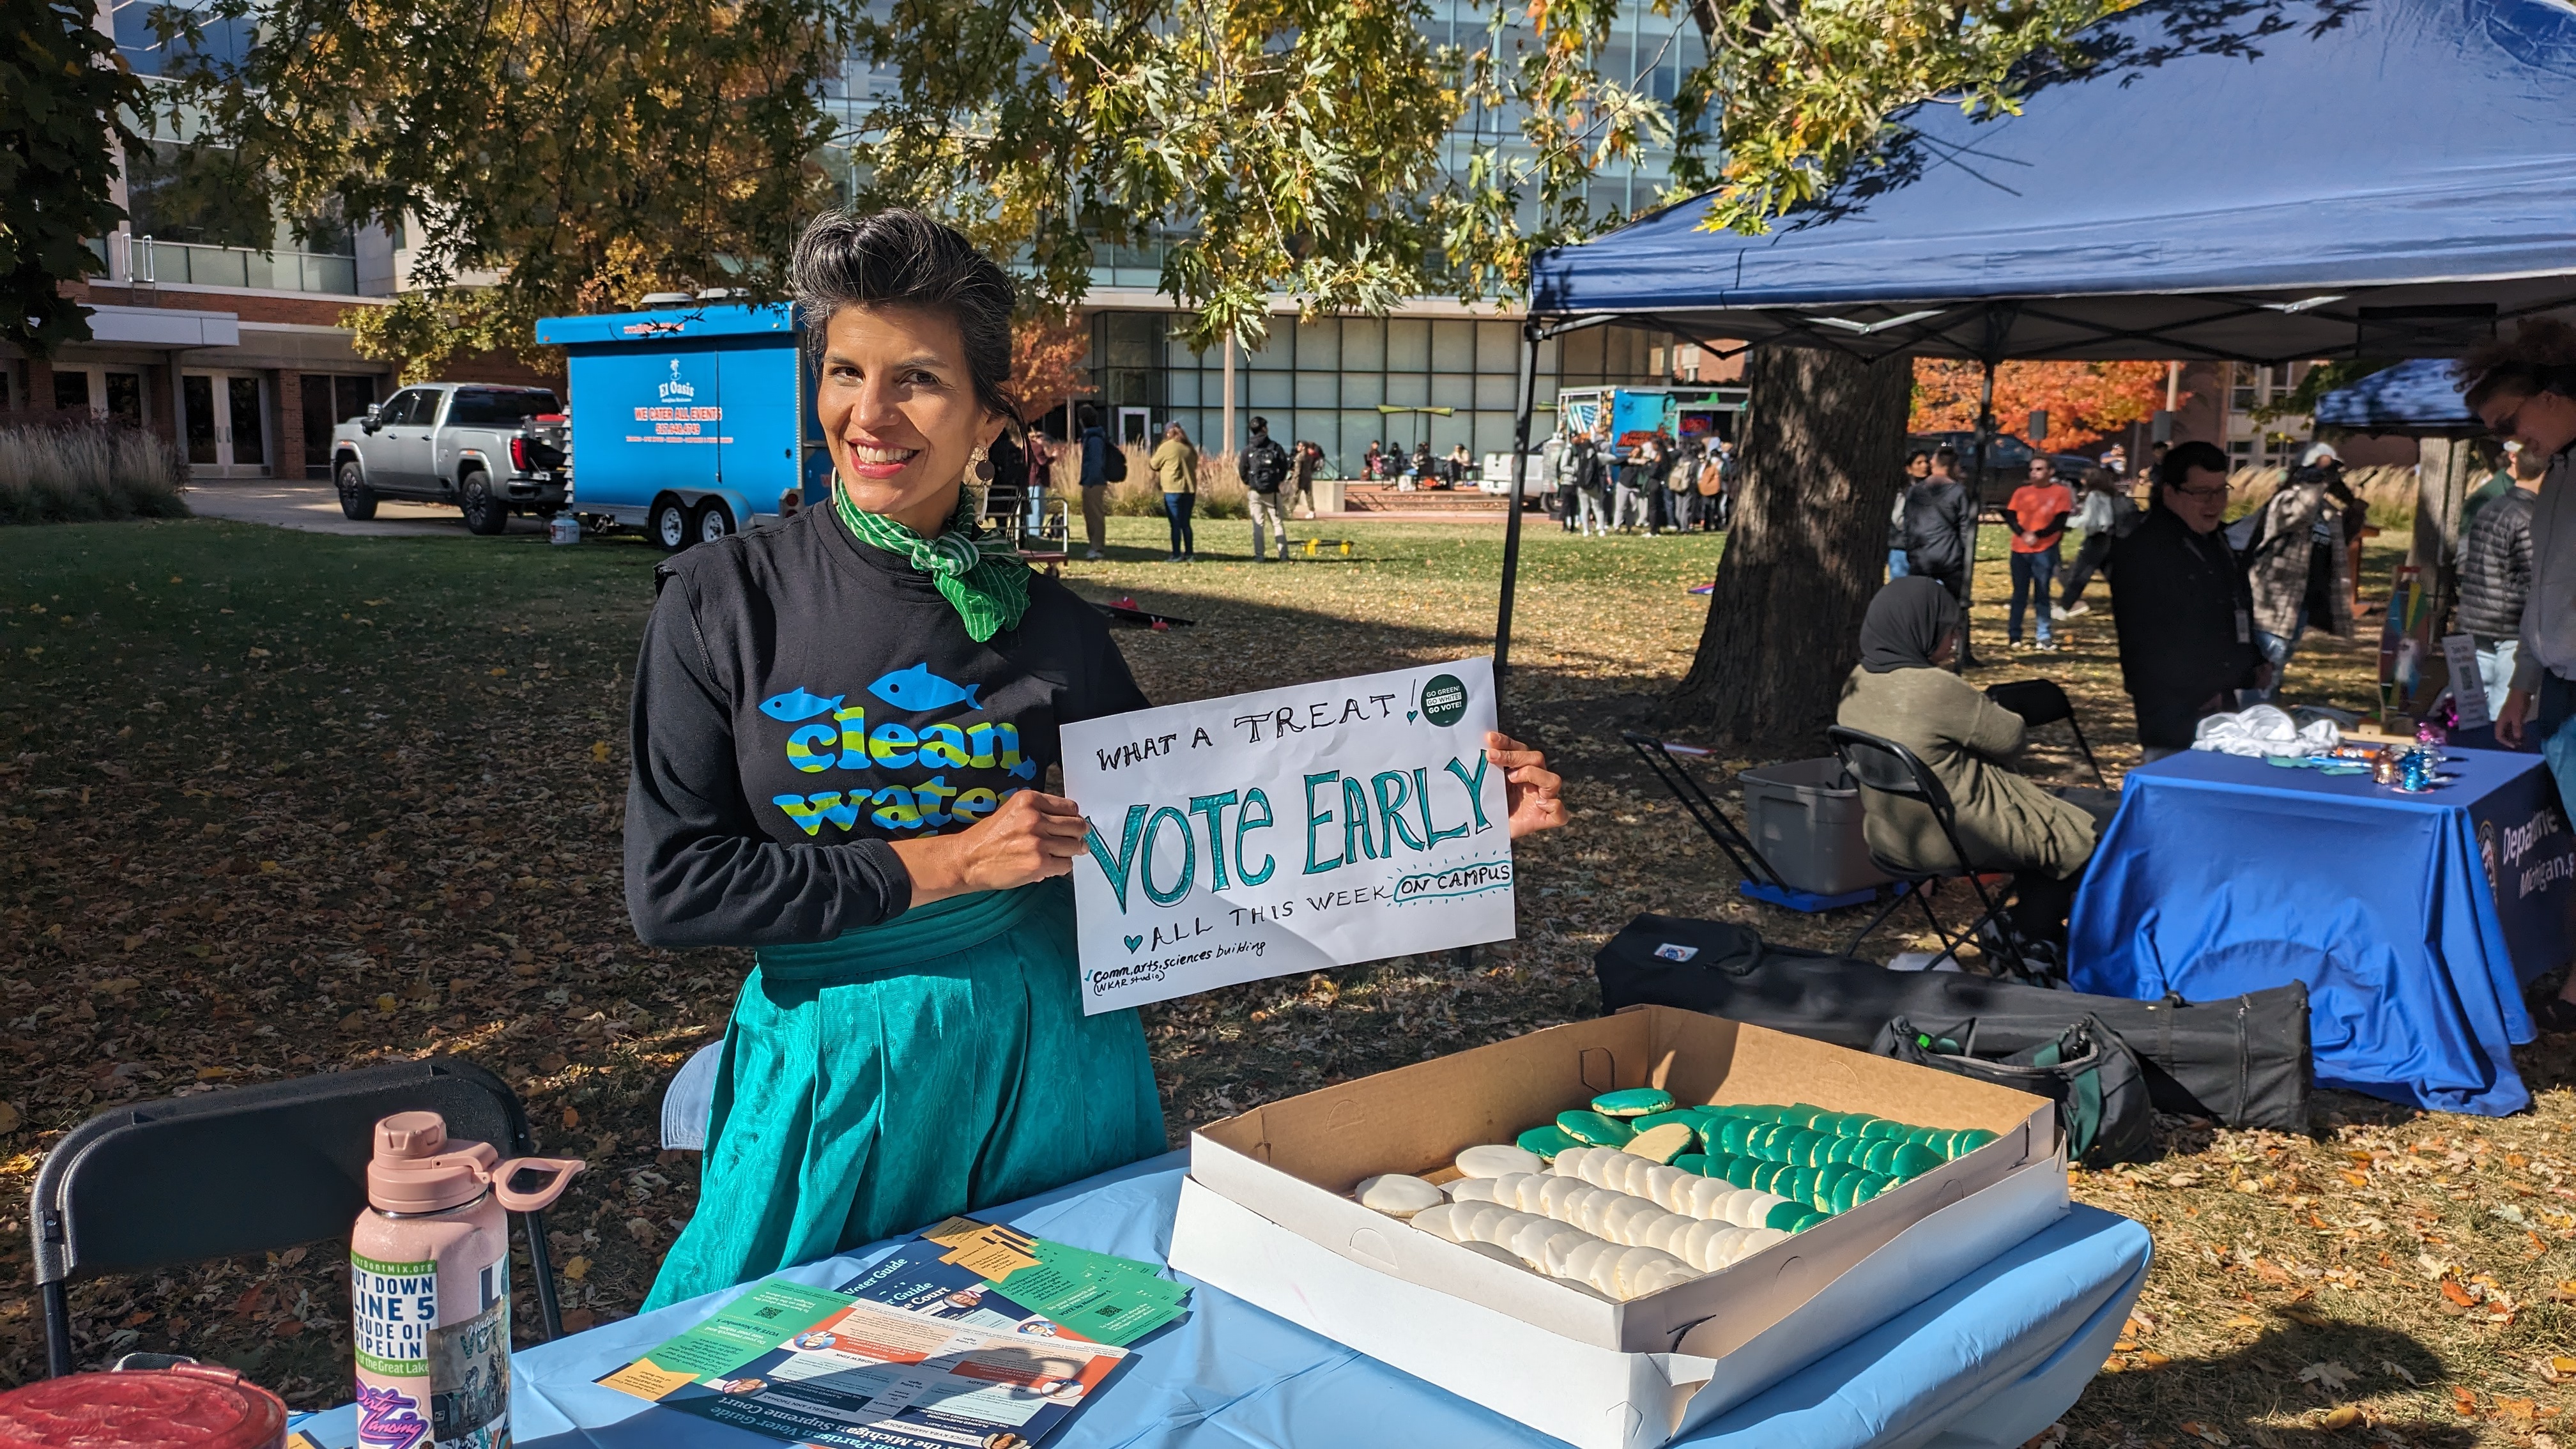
(689, 421)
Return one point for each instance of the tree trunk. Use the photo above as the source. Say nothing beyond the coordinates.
(1821, 456)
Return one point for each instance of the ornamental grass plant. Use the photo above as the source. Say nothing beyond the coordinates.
(88, 472)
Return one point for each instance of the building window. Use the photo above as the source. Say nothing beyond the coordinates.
(71, 392)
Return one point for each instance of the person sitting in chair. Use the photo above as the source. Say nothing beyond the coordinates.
(1902, 692)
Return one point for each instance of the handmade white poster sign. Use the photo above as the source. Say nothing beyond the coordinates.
(1288, 830)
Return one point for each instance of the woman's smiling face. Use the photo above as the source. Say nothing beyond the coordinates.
(899, 411)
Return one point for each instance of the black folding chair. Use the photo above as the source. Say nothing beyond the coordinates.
(1892, 769)
(254, 1169)
(1736, 845)
(2042, 702)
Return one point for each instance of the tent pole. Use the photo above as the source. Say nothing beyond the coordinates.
(1977, 505)
(1512, 523)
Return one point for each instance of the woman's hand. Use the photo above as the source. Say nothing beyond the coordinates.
(1033, 836)
(1529, 787)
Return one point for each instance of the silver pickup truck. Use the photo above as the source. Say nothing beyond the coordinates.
(490, 450)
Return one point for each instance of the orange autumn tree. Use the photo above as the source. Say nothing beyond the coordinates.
(2085, 401)
(1048, 357)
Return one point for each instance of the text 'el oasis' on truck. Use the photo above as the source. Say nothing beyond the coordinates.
(695, 416)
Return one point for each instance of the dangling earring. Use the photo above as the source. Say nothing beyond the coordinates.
(979, 468)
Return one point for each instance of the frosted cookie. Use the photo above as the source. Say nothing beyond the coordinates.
(1593, 1129)
(1494, 1161)
(1398, 1195)
(1661, 1145)
(1634, 1102)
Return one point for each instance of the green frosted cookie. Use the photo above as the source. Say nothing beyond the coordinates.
(1695, 1163)
(1881, 1156)
(1878, 1127)
(1594, 1130)
(1785, 1213)
(1683, 1116)
(1970, 1140)
(1914, 1161)
(1808, 1220)
(1869, 1185)
(1547, 1141)
(1634, 1102)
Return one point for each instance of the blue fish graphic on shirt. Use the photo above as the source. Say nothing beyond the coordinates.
(920, 691)
(796, 704)
(1025, 769)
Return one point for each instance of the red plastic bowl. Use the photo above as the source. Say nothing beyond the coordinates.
(190, 1406)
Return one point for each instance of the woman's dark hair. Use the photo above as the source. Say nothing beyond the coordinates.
(1913, 453)
(2176, 465)
(2539, 357)
(905, 259)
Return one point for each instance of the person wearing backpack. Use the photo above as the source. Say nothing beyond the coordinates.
(1103, 463)
(2107, 515)
(1265, 467)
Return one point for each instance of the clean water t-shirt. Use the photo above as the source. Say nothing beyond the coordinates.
(803, 700)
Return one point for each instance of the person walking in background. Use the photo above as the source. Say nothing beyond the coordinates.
(1102, 464)
(1918, 466)
(2495, 575)
(1628, 498)
(1304, 460)
(2295, 560)
(1041, 463)
(1265, 468)
(2185, 611)
(2039, 509)
(1176, 468)
(1593, 482)
(1941, 528)
(1664, 511)
(1711, 486)
(2107, 514)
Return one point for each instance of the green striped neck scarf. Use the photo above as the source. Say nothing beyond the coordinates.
(984, 580)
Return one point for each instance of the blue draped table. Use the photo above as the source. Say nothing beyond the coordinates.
(1987, 1361)
(2414, 920)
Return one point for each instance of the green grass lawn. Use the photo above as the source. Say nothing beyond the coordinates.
(274, 803)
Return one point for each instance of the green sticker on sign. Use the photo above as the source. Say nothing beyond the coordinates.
(1444, 699)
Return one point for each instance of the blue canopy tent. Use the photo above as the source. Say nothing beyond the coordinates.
(2260, 180)
(2420, 397)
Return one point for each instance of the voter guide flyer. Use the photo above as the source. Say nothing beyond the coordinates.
(1287, 830)
(799, 1364)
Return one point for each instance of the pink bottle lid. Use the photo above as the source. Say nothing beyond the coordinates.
(418, 1169)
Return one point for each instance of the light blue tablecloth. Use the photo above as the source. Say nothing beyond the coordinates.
(1991, 1360)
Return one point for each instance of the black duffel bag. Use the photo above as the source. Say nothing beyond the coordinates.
(2242, 1061)
(2086, 1069)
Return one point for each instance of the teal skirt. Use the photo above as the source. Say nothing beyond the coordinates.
(874, 1084)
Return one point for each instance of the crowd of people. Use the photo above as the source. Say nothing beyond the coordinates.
(1657, 484)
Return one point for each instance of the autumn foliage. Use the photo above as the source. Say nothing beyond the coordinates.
(1048, 357)
(2085, 401)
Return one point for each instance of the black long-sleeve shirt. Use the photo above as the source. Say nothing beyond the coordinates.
(1940, 526)
(2186, 619)
(803, 701)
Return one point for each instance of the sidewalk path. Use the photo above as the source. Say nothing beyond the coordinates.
(314, 506)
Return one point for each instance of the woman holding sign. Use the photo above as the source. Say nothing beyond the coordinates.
(840, 730)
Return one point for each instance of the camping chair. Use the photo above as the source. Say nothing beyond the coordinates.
(254, 1169)
(1892, 769)
(1732, 842)
(2041, 702)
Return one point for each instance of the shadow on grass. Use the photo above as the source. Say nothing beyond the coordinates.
(2254, 1395)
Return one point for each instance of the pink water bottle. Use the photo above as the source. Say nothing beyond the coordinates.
(429, 1280)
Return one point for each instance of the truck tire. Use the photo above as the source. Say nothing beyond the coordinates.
(357, 500)
(486, 512)
(714, 521)
(669, 524)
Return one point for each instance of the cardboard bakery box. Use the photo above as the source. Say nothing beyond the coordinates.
(1270, 1188)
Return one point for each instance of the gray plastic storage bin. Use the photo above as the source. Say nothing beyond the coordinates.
(1805, 817)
